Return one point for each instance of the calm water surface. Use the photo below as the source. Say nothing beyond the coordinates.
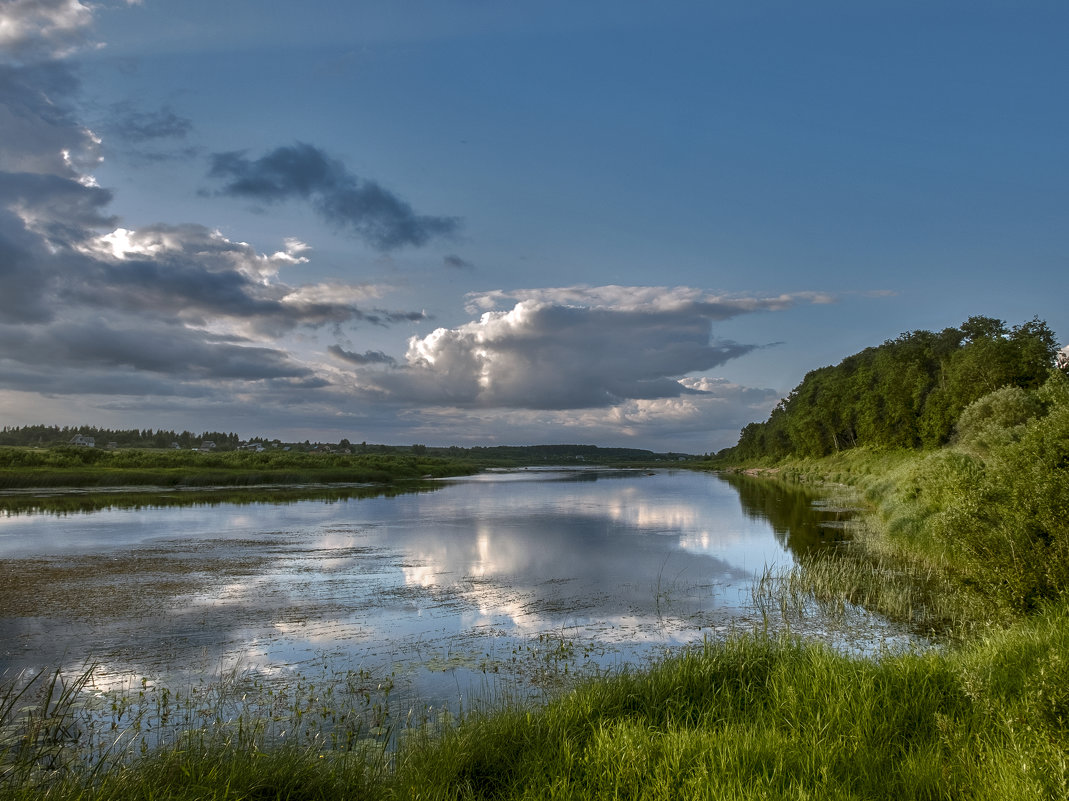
(505, 577)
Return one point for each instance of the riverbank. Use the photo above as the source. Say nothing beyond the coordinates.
(751, 718)
(956, 541)
(22, 468)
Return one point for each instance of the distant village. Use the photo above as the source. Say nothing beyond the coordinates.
(205, 442)
(205, 446)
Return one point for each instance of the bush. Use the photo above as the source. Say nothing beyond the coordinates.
(996, 419)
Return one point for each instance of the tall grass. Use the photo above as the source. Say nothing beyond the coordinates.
(749, 718)
(39, 728)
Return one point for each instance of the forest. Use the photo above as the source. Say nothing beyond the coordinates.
(906, 393)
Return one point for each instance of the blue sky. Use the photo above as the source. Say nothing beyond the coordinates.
(451, 222)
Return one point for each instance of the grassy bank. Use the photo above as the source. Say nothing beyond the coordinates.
(89, 467)
(751, 718)
(961, 539)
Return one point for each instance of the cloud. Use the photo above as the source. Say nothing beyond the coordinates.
(367, 357)
(21, 275)
(132, 344)
(361, 207)
(646, 298)
(572, 348)
(89, 308)
(200, 277)
(41, 132)
(41, 29)
(696, 422)
(57, 208)
(139, 136)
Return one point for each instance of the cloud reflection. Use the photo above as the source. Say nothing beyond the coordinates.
(628, 561)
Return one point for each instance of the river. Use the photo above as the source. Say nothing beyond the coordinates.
(506, 581)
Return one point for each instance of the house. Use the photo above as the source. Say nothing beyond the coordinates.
(207, 445)
(89, 442)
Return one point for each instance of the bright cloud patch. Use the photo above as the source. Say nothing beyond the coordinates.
(43, 28)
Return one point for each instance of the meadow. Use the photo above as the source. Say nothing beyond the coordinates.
(73, 466)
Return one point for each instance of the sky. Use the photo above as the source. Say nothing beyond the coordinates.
(463, 222)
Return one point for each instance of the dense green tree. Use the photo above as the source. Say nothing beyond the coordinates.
(906, 393)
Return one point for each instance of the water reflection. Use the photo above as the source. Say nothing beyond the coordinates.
(800, 518)
(436, 588)
(73, 501)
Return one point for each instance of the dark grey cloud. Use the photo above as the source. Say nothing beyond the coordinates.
(24, 282)
(359, 206)
(39, 216)
(57, 207)
(60, 381)
(134, 344)
(367, 357)
(387, 317)
(41, 132)
(176, 286)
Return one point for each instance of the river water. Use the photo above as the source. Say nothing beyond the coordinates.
(509, 580)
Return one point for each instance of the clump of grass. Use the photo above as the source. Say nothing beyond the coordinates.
(873, 573)
(764, 717)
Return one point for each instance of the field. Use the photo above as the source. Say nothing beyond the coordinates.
(73, 466)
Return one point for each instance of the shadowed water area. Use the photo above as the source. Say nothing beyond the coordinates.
(507, 580)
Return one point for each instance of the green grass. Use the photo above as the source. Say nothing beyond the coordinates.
(751, 718)
(88, 467)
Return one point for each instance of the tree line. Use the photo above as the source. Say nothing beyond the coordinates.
(46, 436)
(906, 393)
